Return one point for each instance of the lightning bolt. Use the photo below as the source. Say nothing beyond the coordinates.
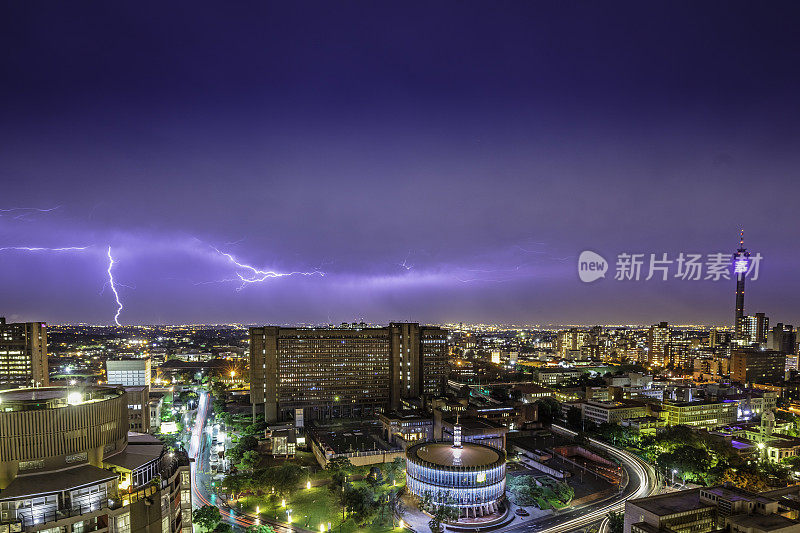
(113, 287)
(34, 209)
(43, 249)
(256, 275)
(405, 264)
(25, 212)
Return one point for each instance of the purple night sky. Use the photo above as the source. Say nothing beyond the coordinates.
(436, 161)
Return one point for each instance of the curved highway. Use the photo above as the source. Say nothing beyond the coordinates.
(642, 481)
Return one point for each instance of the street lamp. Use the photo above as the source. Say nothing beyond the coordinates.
(308, 484)
(289, 515)
(674, 471)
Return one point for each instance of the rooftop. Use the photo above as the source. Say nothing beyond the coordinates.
(54, 397)
(444, 454)
(51, 482)
(135, 456)
(671, 503)
(762, 522)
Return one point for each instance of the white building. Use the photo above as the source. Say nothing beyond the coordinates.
(128, 372)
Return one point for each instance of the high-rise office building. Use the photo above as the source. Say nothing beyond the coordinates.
(343, 372)
(741, 264)
(718, 338)
(570, 341)
(678, 354)
(782, 338)
(657, 338)
(23, 354)
(757, 366)
(755, 328)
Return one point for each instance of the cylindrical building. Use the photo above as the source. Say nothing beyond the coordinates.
(69, 465)
(471, 477)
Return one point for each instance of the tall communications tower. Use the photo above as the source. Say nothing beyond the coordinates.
(741, 263)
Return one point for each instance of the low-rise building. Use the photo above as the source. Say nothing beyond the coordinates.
(613, 412)
(406, 427)
(699, 414)
(473, 429)
(555, 376)
(703, 510)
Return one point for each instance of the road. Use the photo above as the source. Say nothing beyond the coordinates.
(201, 481)
(642, 482)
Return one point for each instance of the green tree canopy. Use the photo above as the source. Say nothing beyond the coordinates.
(207, 517)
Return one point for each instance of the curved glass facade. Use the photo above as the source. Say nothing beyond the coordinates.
(467, 487)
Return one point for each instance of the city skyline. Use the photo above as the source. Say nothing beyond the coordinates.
(444, 164)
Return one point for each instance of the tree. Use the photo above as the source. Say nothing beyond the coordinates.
(443, 513)
(259, 529)
(549, 410)
(744, 479)
(689, 461)
(523, 488)
(776, 473)
(395, 468)
(223, 527)
(616, 522)
(361, 503)
(340, 468)
(236, 483)
(245, 444)
(284, 478)
(256, 428)
(207, 517)
(250, 460)
(574, 419)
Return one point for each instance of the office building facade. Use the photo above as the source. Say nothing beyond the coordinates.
(757, 366)
(755, 328)
(699, 414)
(318, 373)
(23, 354)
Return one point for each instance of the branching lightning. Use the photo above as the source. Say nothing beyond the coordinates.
(405, 263)
(256, 275)
(113, 286)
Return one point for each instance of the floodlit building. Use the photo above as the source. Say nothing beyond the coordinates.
(699, 414)
(128, 372)
(23, 354)
(658, 336)
(570, 341)
(755, 328)
(613, 411)
(472, 477)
